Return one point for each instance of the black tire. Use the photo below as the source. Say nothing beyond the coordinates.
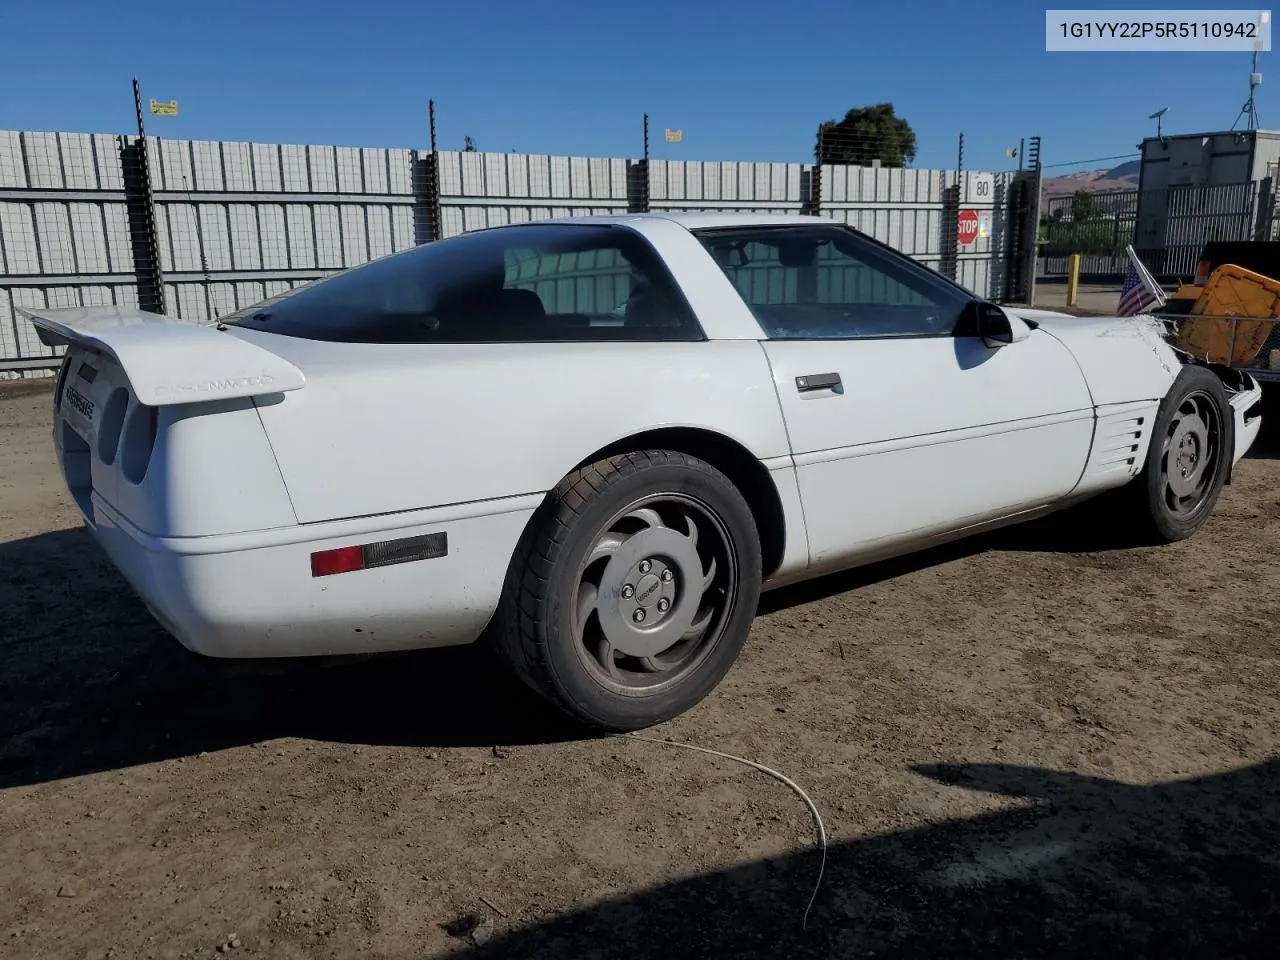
(1149, 498)
(568, 656)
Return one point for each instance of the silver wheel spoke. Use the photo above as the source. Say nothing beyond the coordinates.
(587, 596)
(606, 546)
(604, 654)
(709, 576)
(693, 529)
(648, 516)
(699, 625)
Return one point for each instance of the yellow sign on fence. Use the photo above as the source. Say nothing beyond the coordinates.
(169, 109)
(674, 136)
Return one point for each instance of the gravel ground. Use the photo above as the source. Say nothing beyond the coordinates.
(1043, 742)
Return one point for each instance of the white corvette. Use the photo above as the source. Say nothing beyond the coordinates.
(594, 441)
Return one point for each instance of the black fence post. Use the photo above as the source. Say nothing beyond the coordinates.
(811, 183)
(421, 177)
(141, 211)
(811, 190)
(1023, 247)
(999, 265)
(638, 178)
(427, 215)
(950, 242)
(1031, 239)
(1015, 216)
(813, 204)
(1265, 217)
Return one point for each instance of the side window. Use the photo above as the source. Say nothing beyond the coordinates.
(819, 282)
(595, 284)
(612, 288)
(518, 284)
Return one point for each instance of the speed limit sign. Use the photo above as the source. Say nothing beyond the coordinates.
(981, 189)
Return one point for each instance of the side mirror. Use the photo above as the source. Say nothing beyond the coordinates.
(997, 328)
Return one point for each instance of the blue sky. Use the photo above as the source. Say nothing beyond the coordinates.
(744, 80)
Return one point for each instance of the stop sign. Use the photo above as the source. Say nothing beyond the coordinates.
(967, 227)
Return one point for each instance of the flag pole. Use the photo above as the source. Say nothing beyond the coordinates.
(1145, 276)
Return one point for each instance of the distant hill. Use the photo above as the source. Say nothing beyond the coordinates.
(1123, 177)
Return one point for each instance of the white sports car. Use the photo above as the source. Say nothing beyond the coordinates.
(593, 441)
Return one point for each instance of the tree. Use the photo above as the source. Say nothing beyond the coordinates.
(1084, 206)
(468, 145)
(866, 134)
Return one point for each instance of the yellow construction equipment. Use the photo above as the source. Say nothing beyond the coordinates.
(1250, 300)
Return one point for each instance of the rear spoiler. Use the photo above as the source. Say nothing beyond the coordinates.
(169, 361)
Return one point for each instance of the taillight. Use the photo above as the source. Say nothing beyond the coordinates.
(382, 553)
(138, 442)
(344, 560)
(112, 425)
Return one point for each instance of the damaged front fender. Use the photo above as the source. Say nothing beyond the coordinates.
(1128, 359)
(1123, 359)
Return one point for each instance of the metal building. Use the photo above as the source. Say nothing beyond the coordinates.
(1208, 159)
(1197, 187)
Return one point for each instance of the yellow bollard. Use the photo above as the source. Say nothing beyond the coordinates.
(1073, 279)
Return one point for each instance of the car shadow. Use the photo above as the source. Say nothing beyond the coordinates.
(90, 682)
(1076, 867)
(1085, 528)
(834, 584)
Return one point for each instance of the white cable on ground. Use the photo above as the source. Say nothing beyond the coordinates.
(813, 810)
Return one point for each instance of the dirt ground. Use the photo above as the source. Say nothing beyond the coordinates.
(1042, 743)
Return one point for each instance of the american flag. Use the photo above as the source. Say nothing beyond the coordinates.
(1139, 290)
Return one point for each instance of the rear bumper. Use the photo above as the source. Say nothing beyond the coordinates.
(252, 595)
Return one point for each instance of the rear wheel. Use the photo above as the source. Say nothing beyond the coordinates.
(1191, 450)
(633, 590)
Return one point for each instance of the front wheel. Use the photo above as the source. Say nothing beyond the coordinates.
(633, 590)
(1191, 451)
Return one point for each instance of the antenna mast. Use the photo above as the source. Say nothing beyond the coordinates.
(1158, 117)
(1250, 109)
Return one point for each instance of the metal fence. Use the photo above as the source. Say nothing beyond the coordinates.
(196, 229)
(1168, 227)
(1175, 224)
(231, 223)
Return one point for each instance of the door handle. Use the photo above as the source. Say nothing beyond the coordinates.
(818, 381)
